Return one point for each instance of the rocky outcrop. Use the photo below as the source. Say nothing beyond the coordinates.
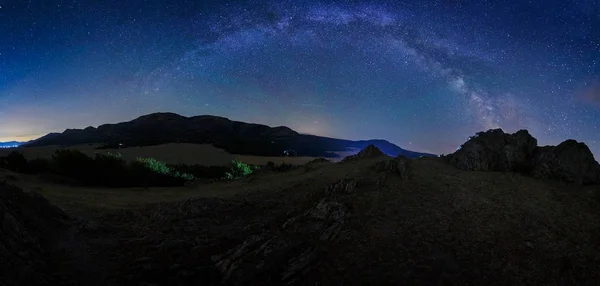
(398, 166)
(283, 257)
(368, 152)
(345, 186)
(570, 161)
(495, 150)
(27, 222)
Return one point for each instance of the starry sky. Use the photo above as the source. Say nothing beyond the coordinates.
(422, 74)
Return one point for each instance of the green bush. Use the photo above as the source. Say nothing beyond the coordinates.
(239, 170)
(161, 173)
(155, 165)
(199, 171)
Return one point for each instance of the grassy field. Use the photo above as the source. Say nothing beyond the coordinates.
(173, 153)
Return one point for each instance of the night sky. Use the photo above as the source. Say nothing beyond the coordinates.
(422, 74)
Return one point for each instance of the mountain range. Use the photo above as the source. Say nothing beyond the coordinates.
(233, 136)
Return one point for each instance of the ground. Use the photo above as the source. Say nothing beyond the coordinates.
(344, 223)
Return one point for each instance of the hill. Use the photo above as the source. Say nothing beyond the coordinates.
(368, 220)
(233, 136)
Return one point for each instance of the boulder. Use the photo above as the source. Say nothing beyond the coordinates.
(368, 152)
(398, 166)
(495, 150)
(570, 161)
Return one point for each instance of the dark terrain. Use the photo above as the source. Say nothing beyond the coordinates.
(528, 216)
(233, 136)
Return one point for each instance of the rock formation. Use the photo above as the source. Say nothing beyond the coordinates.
(570, 161)
(495, 150)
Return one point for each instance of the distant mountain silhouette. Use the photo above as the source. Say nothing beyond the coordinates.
(234, 136)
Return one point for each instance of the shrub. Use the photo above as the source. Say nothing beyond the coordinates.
(38, 166)
(239, 170)
(15, 161)
(73, 163)
(111, 170)
(156, 172)
(155, 165)
(199, 171)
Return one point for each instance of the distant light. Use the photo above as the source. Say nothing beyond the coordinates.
(9, 146)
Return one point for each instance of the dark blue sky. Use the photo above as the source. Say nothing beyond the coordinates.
(422, 74)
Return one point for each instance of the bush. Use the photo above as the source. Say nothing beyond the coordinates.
(155, 165)
(38, 166)
(239, 170)
(111, 170)
(156, 172)
(15, 161)
(199, 171)
(74, 164)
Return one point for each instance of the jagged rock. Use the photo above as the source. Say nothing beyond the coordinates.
(495, 150)
(398, 165)
(368, 152)
(330, 218)
(25, 222)
(283, 257)
(345, 186)
(570, 161)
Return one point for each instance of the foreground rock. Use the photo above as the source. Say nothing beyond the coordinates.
(27, 226)
(495, 150)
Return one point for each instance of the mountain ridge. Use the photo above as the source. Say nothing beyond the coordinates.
(236, 137)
